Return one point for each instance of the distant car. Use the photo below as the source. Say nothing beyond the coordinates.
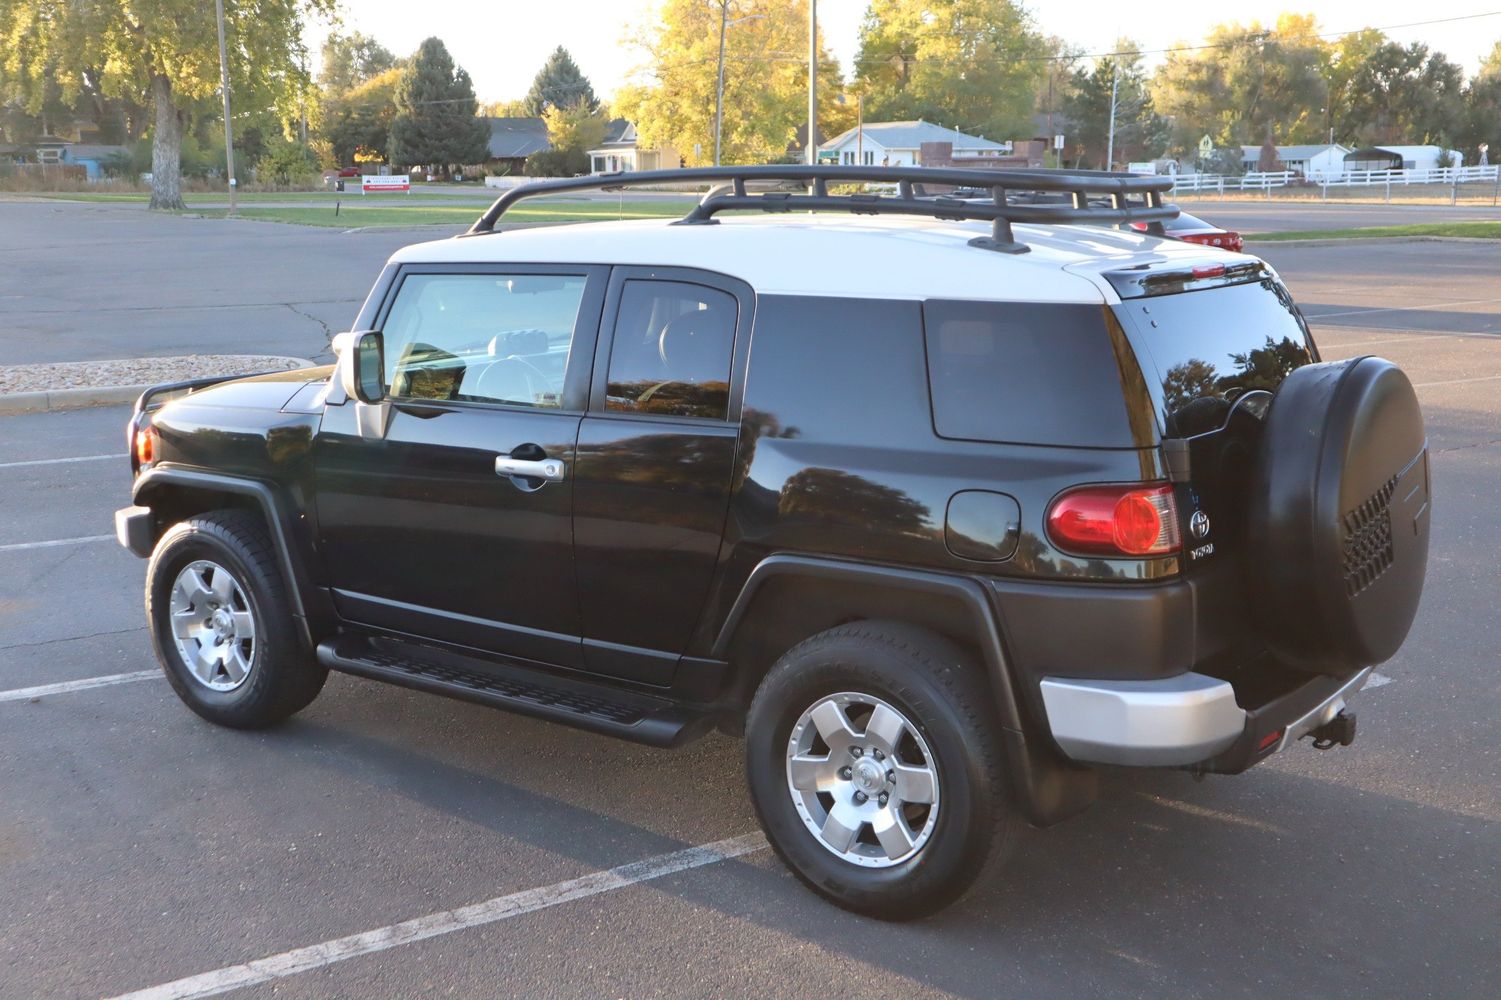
(1192, 229)
(350, 172)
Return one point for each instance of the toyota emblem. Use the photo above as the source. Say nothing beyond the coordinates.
(1199, 524)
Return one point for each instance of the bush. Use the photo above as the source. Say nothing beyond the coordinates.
(287, 163)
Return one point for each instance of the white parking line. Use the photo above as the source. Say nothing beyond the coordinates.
(1315, 317)
(52, 543)
(1456, 381)
(290, 963)
(61, 461)
(26, 694)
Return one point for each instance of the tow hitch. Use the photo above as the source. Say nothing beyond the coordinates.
(1338, 730)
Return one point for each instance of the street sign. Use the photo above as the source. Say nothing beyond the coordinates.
(1206, 146)
(1058, 141)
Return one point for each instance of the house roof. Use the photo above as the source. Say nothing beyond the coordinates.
(514, 138)
(911, 135)
(1305, 152)
(619, 134)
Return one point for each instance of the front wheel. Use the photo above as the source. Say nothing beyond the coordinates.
(222, 625)
(875, 767)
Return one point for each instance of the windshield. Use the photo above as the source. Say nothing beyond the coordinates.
(1209, 347)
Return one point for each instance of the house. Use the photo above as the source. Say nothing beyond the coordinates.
(900, 144)
(1308, 160)
(1402, 158)
(512, 140)
(621, 150)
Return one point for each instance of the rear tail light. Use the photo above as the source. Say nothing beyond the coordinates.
(143, 449)
(1116, 520)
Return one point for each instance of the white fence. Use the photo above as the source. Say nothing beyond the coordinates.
(1265, 181)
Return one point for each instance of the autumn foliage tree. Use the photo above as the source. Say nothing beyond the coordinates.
(162, 51)
(765, 80)
(973, 65)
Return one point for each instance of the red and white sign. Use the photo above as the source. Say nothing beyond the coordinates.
(395, 182)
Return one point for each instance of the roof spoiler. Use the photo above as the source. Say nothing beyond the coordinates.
(731, 192)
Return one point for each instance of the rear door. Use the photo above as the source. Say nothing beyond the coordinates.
(427, 530)
(655, 461)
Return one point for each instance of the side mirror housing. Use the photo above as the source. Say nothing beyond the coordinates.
(362, 365)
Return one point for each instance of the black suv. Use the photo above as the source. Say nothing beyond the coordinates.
(941, 514)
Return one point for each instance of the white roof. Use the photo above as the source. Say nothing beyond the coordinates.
(911, 135)
(835, 255)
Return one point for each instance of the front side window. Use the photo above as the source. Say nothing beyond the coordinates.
(672, 348)
(487, 338)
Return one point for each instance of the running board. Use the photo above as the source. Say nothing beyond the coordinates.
(582, 704)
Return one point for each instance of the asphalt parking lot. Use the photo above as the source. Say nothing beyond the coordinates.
(140, 846)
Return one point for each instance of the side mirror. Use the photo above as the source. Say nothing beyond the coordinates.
(362, 365)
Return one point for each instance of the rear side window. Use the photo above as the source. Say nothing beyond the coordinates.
(671, 355)
(1029, 373)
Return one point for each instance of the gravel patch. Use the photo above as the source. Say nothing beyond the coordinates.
(136, 371)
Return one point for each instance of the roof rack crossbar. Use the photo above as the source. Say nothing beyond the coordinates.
(730, 193)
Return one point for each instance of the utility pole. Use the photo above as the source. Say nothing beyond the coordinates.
(860, 129)
(724, 24)
(1115, 83)
(229, 142)
(812, 81)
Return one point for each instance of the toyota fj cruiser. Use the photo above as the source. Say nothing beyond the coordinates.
(942, 513)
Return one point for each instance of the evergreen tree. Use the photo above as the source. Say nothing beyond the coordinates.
(1140, 133)
(435, 121)
(559, 84)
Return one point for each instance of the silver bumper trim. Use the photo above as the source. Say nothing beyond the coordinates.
(1154, 723)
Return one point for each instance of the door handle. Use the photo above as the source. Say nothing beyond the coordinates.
(550, 469)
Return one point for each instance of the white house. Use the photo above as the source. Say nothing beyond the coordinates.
(1306, 160)
(622, 151)
(899, 144)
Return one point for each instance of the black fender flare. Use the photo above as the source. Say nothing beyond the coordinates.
(156, 482)
(1047, 788)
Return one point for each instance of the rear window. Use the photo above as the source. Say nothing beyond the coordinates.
(1211, 346)
(1029, 373)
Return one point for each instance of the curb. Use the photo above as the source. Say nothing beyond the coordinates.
(54, 400)
(1369, 240)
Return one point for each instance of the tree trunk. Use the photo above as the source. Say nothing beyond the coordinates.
(166, 149)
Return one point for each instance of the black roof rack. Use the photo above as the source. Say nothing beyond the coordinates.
(910, 199)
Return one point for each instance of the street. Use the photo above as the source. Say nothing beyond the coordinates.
(140, 845)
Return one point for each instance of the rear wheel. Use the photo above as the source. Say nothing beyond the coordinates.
(874, 765)
(222, 623)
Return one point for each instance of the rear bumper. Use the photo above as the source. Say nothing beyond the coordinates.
(135, 528)
(1187, 720)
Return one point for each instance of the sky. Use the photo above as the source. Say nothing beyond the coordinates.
(502, 43)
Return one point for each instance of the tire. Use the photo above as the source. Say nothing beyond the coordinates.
(945, 706)
(219, 568)
(1340, 514)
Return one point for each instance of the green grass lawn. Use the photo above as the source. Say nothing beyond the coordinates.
(359, 214)
(1481, 230)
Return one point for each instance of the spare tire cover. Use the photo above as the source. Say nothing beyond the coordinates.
(1339, 514)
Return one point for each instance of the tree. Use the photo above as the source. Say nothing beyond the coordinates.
(765, 80)
(559, 84)
(166, 51)
(973, 65)
(1140, 133)
(1403, 94)
(1246, 82)
(350, 60)
(572, 131)
(1482, 113)
(435, 122)
(358, 124)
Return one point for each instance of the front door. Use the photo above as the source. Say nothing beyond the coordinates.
(655, 464)
(434, 529)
